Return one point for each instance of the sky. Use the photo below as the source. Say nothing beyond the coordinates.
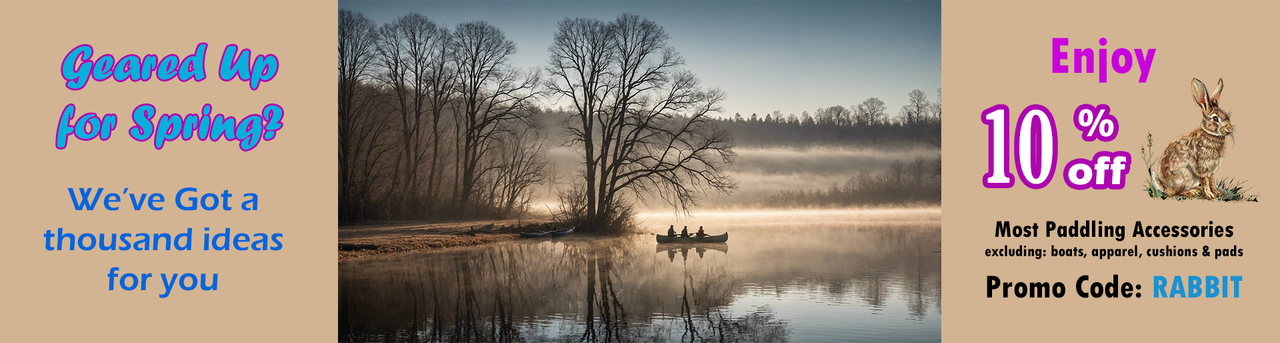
(791, 56)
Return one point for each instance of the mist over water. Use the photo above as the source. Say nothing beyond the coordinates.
(762, 171)
(775, 280)
(823, 159)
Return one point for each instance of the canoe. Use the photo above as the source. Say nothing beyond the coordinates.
(534, 234)
(563, 232)
(551, 233)
(724, 237)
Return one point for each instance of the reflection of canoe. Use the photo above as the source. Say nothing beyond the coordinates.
(563, 232)
(676, 247)
(724, 237)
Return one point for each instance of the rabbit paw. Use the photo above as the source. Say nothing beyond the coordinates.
(1212, 192)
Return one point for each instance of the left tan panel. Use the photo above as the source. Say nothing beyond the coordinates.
(287, 294)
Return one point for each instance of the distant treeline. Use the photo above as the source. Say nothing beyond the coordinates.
(915, 183)
(865, 123)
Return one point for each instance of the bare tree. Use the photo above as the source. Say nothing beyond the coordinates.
(936, 107)
(918, 171)
(897, 173)
(490, 93)
(410, 52)
(937, 140)
(356, 40)
(374, 144)
(917, 108)
(870, 112)
(581, 66)
(440, 80)
(524, 165)
(832, 116)
(642, 122)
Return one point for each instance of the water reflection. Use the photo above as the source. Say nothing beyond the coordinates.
(683, 249)
(836, 280)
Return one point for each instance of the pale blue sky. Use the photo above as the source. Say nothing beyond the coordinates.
(791, 56)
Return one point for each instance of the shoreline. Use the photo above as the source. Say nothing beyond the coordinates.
(359, 241)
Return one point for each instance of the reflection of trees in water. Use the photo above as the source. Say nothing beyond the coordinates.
(466, 298)
(601, 294)
(617, 290)
(921, 259)
(759, 326)
(878, 265)
(912, 273)
(504, 294)
(702, 298)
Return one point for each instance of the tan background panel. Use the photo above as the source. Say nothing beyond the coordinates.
(1000, 53)
(286, 295)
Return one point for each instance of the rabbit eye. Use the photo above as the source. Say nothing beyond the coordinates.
(1215, 118)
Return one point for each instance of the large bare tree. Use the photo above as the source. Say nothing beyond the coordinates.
(490, 93)
(642, 121)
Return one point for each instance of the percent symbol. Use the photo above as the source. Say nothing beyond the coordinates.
(1096, 122)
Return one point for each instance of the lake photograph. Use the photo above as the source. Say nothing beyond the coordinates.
(639, 171)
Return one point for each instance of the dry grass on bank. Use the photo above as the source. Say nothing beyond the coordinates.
(368, 240)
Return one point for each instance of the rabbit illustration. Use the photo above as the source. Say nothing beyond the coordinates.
(1186, 168)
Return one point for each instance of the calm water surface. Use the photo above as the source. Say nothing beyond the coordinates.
(799, 276)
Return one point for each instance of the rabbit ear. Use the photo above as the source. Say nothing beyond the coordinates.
(1200, 94)
(1213, 97)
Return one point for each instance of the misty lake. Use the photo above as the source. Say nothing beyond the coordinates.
(799, 276)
